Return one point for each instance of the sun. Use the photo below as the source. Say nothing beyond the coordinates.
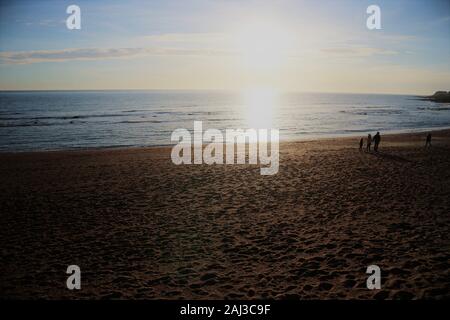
(264, 45)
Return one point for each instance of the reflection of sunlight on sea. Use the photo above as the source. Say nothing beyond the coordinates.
(82, 119)
(260, 106)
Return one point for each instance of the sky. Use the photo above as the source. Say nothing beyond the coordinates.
(297, 45)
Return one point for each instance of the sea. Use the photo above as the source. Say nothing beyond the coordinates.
(62, 120)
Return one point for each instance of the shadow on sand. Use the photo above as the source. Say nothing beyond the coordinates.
(388, 156)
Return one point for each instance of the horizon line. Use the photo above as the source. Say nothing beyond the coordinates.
(212, 90)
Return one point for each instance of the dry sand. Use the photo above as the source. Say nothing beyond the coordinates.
(140, 227)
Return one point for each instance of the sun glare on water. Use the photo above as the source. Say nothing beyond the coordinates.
(260, 108)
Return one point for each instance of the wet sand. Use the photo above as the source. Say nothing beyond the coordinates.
(140, 227)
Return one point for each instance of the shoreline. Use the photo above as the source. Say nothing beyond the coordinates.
(414, 132)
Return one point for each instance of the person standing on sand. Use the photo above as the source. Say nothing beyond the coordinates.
(369, 142)
(361, 143)
(376, 140)
(428, 142)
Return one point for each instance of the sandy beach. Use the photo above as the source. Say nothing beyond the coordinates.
(141, 227)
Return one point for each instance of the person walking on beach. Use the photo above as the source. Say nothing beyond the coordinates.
(369, 142)
(428, 142)
(376, 140)
(361, 143)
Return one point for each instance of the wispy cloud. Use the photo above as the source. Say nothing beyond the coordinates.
(49, 23)
(191, 38)
(357, 51)
(28, 57)
(91, 54)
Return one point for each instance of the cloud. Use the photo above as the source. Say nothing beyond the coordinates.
(394, 38)
(48, 23)
(357, 51)
(191, 38)
(86, 54)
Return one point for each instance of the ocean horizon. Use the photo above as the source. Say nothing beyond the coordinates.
(64, 120)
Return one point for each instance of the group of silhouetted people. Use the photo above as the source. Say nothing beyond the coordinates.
(376, 142)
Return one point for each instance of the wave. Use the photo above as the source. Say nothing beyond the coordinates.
(38, 124)
(133, 111)
(439, 108)
(141, 121)
(364, 112)
(61, 117)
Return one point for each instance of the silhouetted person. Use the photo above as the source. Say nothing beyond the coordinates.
(361, 143)
(376, 140)
(428, 142)
(369, 142)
